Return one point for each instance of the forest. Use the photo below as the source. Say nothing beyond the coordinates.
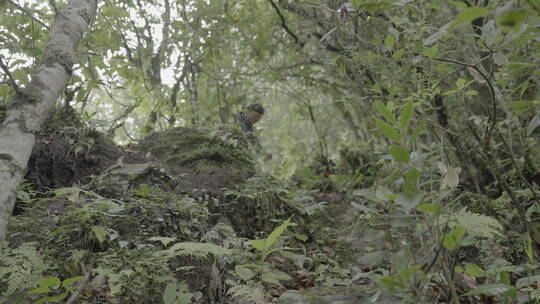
(270, 151)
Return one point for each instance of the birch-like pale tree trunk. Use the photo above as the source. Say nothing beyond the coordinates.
(30, 109)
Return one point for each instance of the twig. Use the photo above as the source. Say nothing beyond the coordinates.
(491, 88)
(26, 12)
(82, 284)
(11, 80)
(284, 24)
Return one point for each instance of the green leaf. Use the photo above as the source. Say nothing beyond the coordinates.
(100, 233)
(412, 175)
(410, 178)
(521, 105)
(356, 3)
(301, 237)
(57, 298)
(468, 15)
(489, 33)
(452, 239)
(512, 19)
(70, 281)
(533, 124)
(389, 41)
(490, 290)
(430, 52)
(40, 290)
(257, 244)
(274, 235)
(169, 295)
(388, 130)
(437, 35)
(406, 115)
(499, 58)
(271, 278)
(184, 298)
(53, 282)
(400, 153)
(473, 270)
(535, 4)
(409, 201)
(244, 272)
(383, 110)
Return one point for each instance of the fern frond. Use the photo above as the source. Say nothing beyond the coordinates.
(195, 249)
(21, 268)
(478, 224)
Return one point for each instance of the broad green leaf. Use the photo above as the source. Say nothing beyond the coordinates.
(169, 295)
(383, 110)
(388, 131)
(468, 15)
(499, 58)
(389, 41)
(406, 115)
(272, 238)
(356, 3)
(271, 278)
(451, 177)
(490, 290)
(184, 298)
(383, 193)
(257, 244)
(451, 240)
(489, 33)
(400, 153)
(70, 281)
(410, 178)
(512, 19)
(409, 201)
(412, 175)
(244, 272)
(301, 237)
(52, 282)
(473, 270)
(269, 252)
(430, 52)
(535, 122)
(521, 105)
(437, 35)
(53, 299)
(40, 290)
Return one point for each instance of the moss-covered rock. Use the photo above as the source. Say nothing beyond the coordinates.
(205, 159)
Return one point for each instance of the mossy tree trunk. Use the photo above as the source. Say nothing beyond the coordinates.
(31, 108)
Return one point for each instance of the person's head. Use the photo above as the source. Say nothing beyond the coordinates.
(254, 112)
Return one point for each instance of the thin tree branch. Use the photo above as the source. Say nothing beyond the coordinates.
(11, 80)
(284, 24)
(492, 91)
(82, 284)
(26, 12)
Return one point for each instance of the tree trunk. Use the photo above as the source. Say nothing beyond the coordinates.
(31, 108)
